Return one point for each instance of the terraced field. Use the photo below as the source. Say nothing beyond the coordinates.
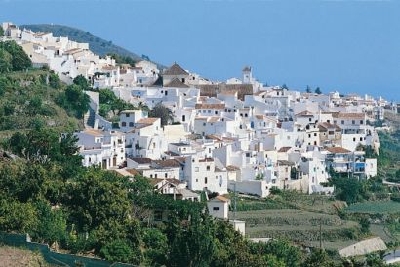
(298, 225)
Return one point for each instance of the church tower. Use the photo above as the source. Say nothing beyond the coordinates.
(247, 75)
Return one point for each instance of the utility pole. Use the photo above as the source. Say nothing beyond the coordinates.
(234, 202)
(320, 233)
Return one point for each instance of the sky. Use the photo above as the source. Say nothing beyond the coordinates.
(347, 46)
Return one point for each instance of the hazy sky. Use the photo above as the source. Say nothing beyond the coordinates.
(349, 46)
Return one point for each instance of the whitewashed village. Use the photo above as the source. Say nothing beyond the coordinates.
(237, 135)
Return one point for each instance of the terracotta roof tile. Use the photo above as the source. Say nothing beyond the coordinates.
(211, 90)
(284, 149)
(147, 120)
(175, 70)
(209, 106)
(349, 115)
(338, 149)
(176, 83)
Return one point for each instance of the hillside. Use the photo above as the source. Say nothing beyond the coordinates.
(97, 45)
(31, 99)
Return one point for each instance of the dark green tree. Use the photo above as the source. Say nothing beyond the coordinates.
(162, 112)
(20, 60)
(318, 91)
(52, 225)
(5, 61)
(117, 251)
(308, 89)
(77, 100)
(82, 82)
(318, 258)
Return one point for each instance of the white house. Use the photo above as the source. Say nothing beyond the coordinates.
(218, 207)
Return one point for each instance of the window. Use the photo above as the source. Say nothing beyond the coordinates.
(342, 122)
(354, 139)
(209, 111)
(196, 169)
(131, 124)
(197, 180)
(183, 117)
(155, 175)
(353, 122)
(205, 180)
(215, 208)
(123, 124)
(151, 175)
(208, 167)
(216, 112)
(127, 115)
(361, 122)
(166, 175)
(361, 138)
(315, 134)
(309, 135)
(309, 119)
(204, 124)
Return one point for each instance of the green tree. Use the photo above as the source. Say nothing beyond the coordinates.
(117, 251)
(97, 196)
(195, 237)
(308, 89)
(318, 258)
(1, 32)
(156, 245)
(162, 112)
(318, 91)
(52, 224)
(5, 61)
(20, 60)
(82, 82)
(77, 100)
(17, 216)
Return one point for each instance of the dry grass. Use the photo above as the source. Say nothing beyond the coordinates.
(16, 257)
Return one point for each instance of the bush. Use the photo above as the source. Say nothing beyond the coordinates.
(395, 197)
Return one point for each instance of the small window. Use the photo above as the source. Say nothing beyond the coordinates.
(361, 122)
(205, 180)
(342, 122)
(166, 175)
(208, 167)
(127, 115)
(315, 134)
(353, 122)
(196, 169)
(123, 124)
(131, 124)
(215, 208)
